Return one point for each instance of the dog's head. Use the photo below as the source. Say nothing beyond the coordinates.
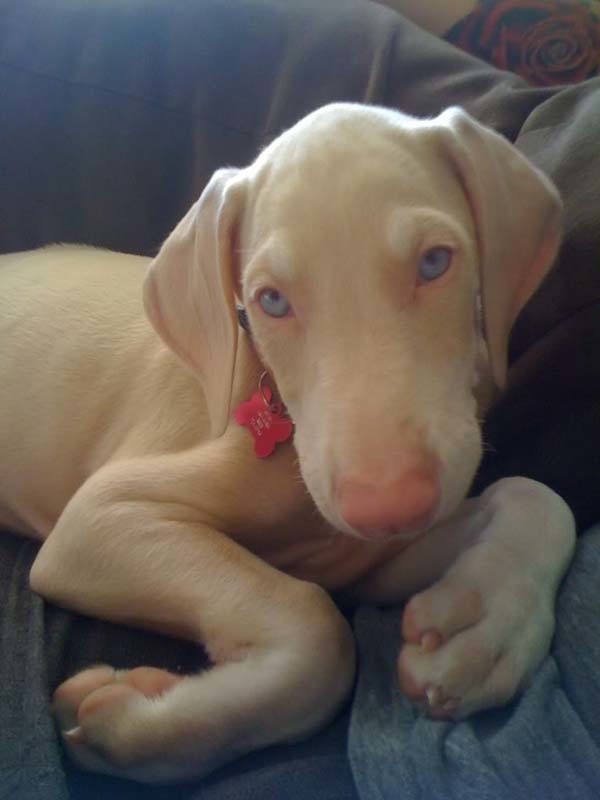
(360, 242)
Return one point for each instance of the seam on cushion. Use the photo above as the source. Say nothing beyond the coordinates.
(532, 130)
(129, 96)
(574, 313)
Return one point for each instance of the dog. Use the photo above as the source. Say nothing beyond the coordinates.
(226, 485)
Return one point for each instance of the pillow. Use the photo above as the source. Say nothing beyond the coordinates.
(547, 42)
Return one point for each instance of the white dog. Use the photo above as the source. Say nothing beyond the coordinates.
(371, 251)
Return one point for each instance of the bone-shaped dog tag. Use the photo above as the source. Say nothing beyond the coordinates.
(266, 421)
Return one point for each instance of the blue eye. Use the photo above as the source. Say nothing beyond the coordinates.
(434, 263)
(274, 303)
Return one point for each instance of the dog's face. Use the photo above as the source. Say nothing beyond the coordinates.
(356, 241)
(359, 275)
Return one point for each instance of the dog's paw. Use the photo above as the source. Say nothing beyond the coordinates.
(98, 711)
(473, 639)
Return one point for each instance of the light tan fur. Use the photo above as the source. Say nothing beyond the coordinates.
(119, 449)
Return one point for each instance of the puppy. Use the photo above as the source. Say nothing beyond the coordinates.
(217, 484)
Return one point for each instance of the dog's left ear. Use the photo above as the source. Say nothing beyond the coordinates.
(189, 290)
(517, 213)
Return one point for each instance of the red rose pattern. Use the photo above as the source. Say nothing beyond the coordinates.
(547, 42)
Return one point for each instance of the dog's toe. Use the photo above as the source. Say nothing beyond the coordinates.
(103, 699)
(70, 694)
(435, 615)
(150, 681)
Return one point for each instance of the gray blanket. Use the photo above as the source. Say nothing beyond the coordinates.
(545, 745)
(30, 764)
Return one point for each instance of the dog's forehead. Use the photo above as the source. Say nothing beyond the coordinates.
(347, 169)
(357, 138)
(345, 124)
(345, 156)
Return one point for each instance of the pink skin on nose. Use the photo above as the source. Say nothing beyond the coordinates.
(405, 506)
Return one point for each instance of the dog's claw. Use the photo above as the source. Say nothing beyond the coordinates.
(74, 735)
(434, 696)
(438, 705)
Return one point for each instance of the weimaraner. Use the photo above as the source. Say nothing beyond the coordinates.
(220, 484)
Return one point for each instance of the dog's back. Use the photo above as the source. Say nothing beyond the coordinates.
(84, 378)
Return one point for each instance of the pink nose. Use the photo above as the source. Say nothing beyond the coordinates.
(377, 512)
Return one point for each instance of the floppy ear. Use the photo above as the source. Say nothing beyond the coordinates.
(517, 213)
(189, 291)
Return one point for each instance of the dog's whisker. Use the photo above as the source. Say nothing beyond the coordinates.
(488, 447)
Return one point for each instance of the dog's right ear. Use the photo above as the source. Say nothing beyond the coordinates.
(189, 291)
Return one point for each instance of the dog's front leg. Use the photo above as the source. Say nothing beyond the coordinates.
(283, 655)
(483, 586)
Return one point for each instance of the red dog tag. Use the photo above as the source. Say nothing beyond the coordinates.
(265, 421)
